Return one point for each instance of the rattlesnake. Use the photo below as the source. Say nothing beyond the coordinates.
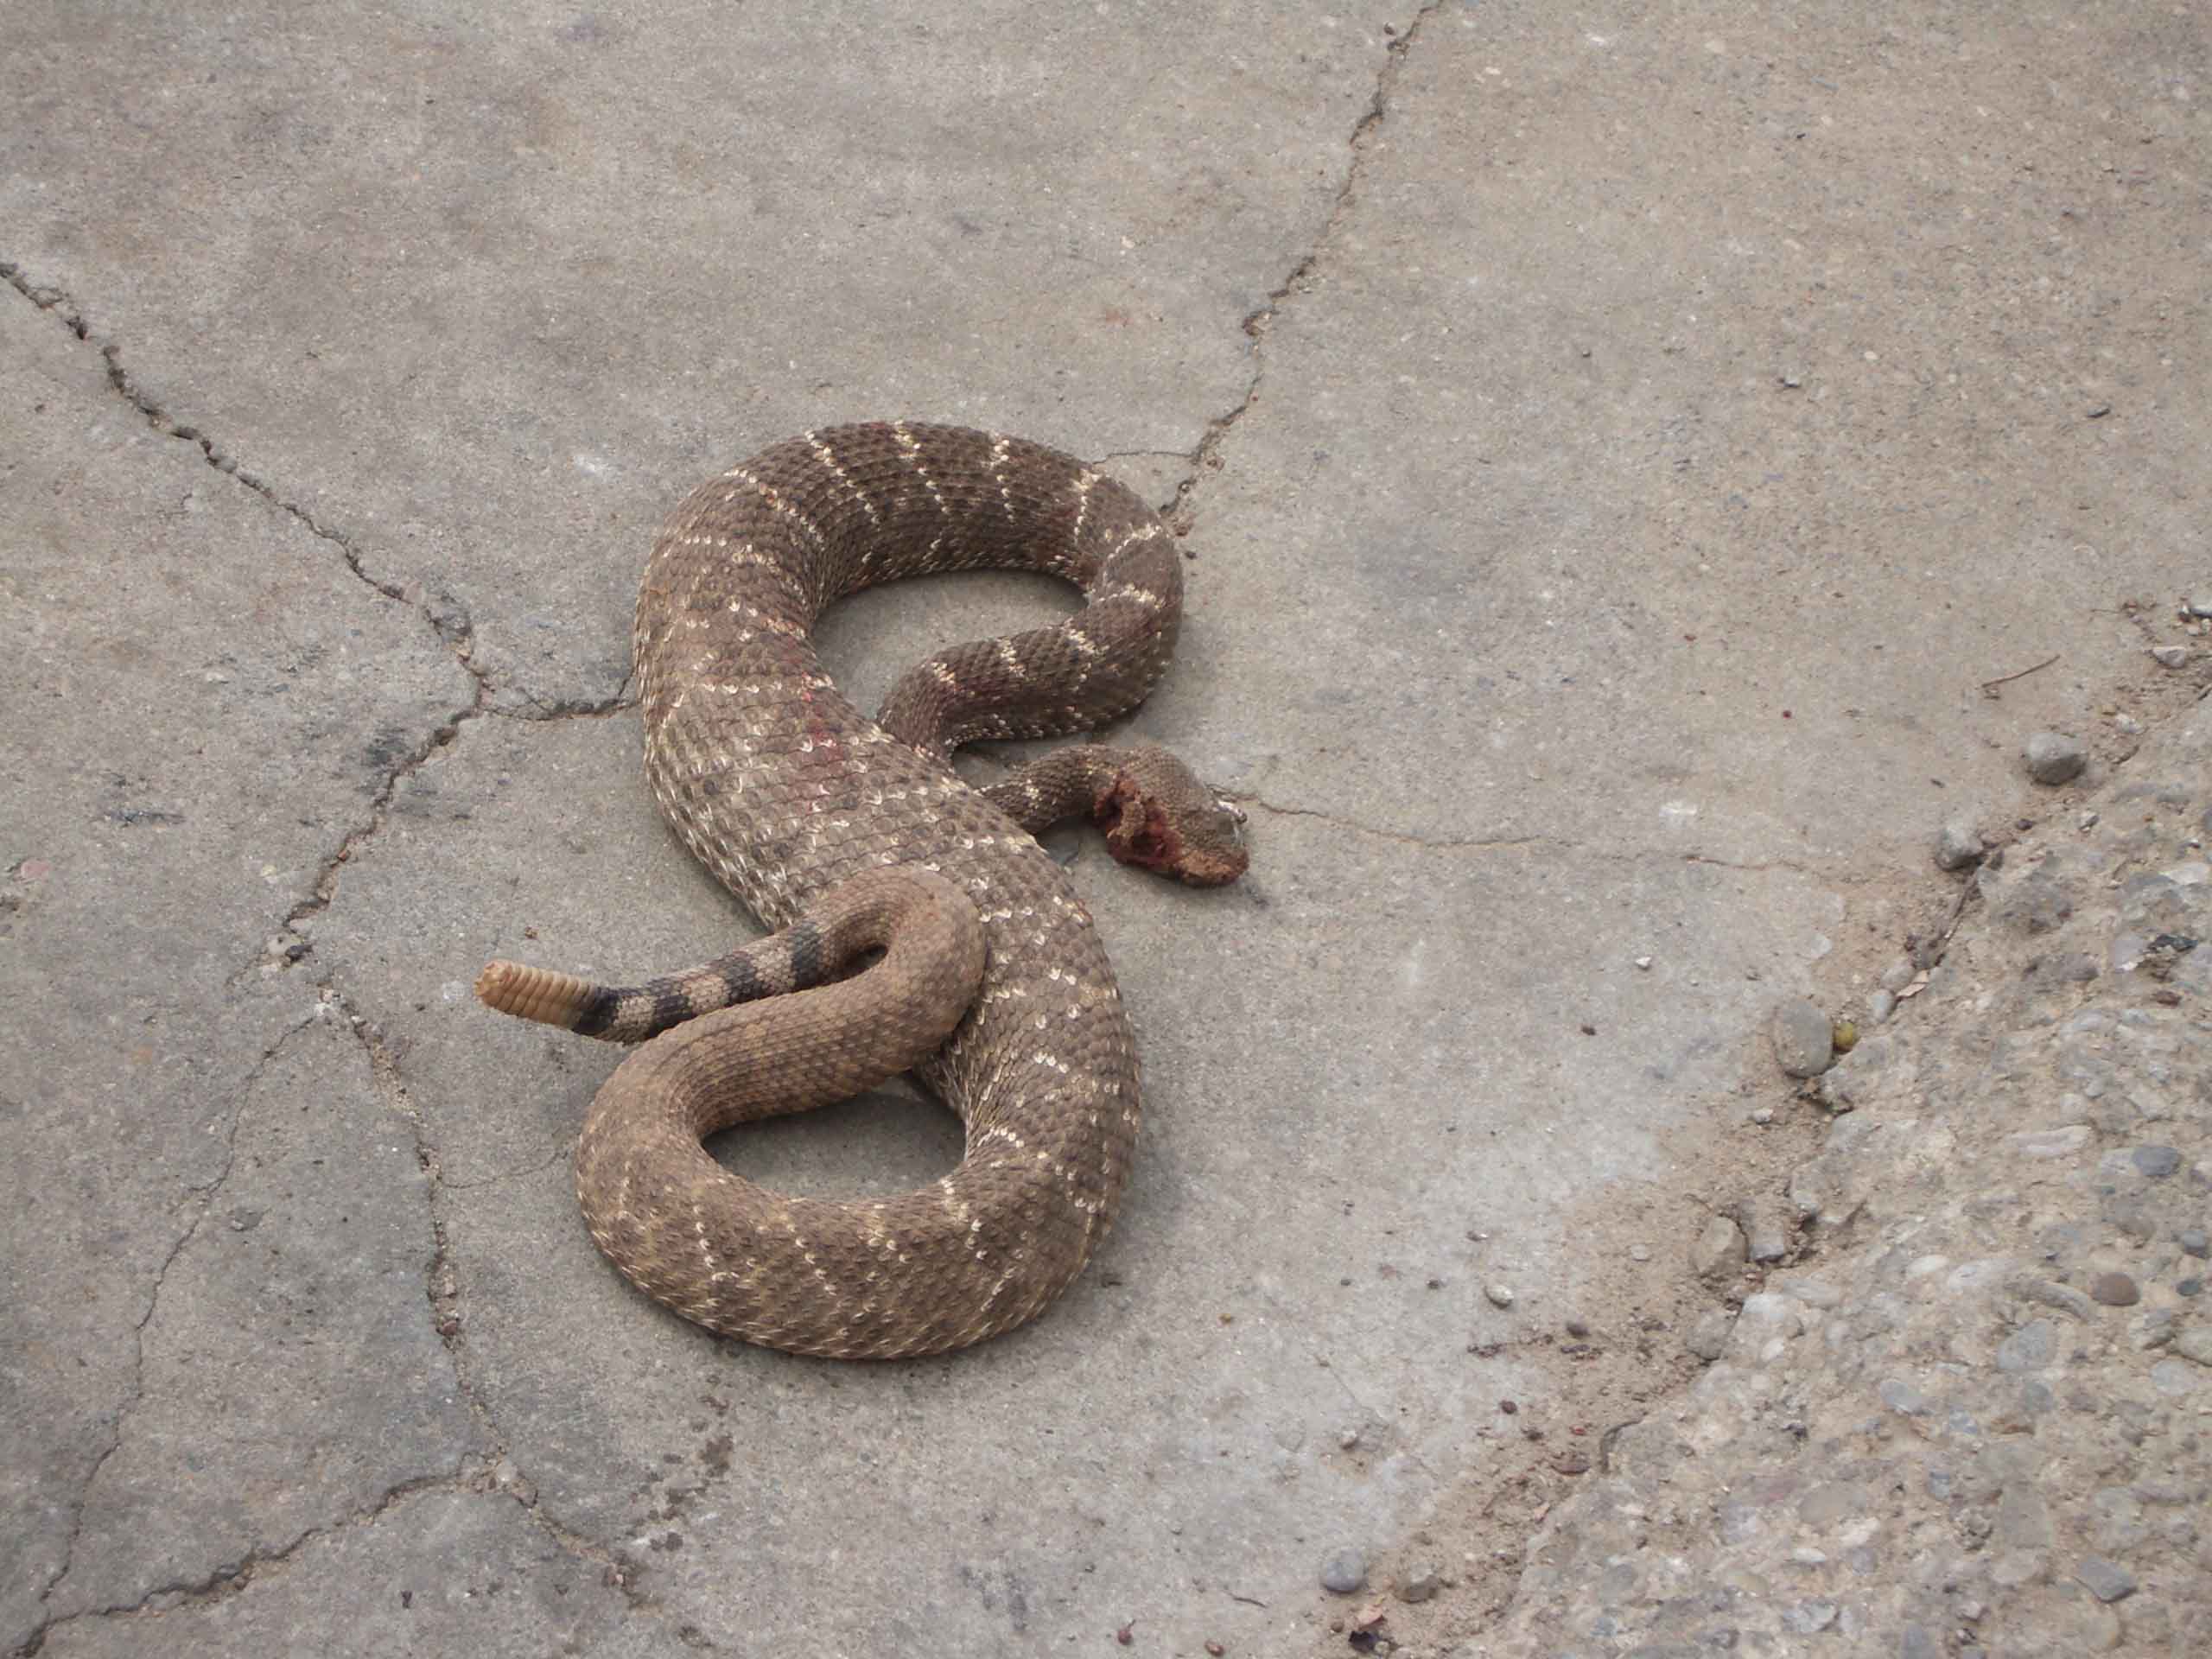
(848, 835)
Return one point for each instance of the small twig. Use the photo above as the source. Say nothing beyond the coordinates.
(1989, 687)
(1249, 1601)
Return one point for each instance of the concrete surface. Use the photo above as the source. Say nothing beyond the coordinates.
(1616, 449)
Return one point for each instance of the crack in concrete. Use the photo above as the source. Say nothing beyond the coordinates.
(448, 618)
(1206, 457)
(1492, 843)
(505, 1175)
(1433, 844)
(326, 884)
(234, 1578)
(559, 709)
(442, 1291)
(137, 1397)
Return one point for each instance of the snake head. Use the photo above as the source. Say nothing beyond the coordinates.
(1158, 816)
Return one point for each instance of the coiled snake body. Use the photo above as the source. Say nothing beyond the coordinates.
(851, 835)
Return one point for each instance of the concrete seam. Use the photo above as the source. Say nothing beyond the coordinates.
(1206, 457)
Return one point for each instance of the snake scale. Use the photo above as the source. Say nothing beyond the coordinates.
(919, 923)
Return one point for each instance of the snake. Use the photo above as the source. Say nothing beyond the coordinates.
(918, 925)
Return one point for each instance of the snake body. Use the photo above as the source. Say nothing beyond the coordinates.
(849, 835)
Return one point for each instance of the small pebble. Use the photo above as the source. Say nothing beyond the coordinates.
(2201, 606)
(2106, 1580)
(2157, 1162)
(1808, 1617)
(1639, 1253)
(1718, 1250)
(1643, 962)
(1500, 1295)
(2029, 1349)
(2196, 1344)
(1419, 1585)
(2194, 1242)
(1708, 1337)
(1804, 1038)
(1881, 1007)
(1759, 1115)
(1576, 1328)
(1959, 845)
(2055, 758)
(1765, 1239)
(2115, 1290)
(1348, 1439)
(2170, 655)
(1345, 1573)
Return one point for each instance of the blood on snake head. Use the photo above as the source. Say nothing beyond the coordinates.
(1158, 816)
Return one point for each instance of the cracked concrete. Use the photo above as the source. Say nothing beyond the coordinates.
(1624, 463)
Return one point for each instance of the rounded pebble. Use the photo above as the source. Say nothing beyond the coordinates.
(1420, 1584)
(2114, 1290)
(2028, 1349)
(1500, 1295)
(2106, 1580)
(2157, 1162)
(1345, 1572)
(1804, 1038)
(1718, 1250)
(1708, 1337)
(2055, 758)
(1959, 845)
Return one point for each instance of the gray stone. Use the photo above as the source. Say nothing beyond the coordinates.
(1708, 1334)
(1345, 1572)
(2063, 1297)
(1718, 1251)
(2022, 1518)
(2106, 1580)
(2170, 655)
(2157, 1162)
(1804, 1038)
(1806, 1617)
(2195, 1344)
(1959, 845)
(2055, 758)
(2195, 1241)
(1900, 1396)
(1880, 1006)
(1765, 1239)
(1420, 1584)
(2030, 1348)
(2061, 1142)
